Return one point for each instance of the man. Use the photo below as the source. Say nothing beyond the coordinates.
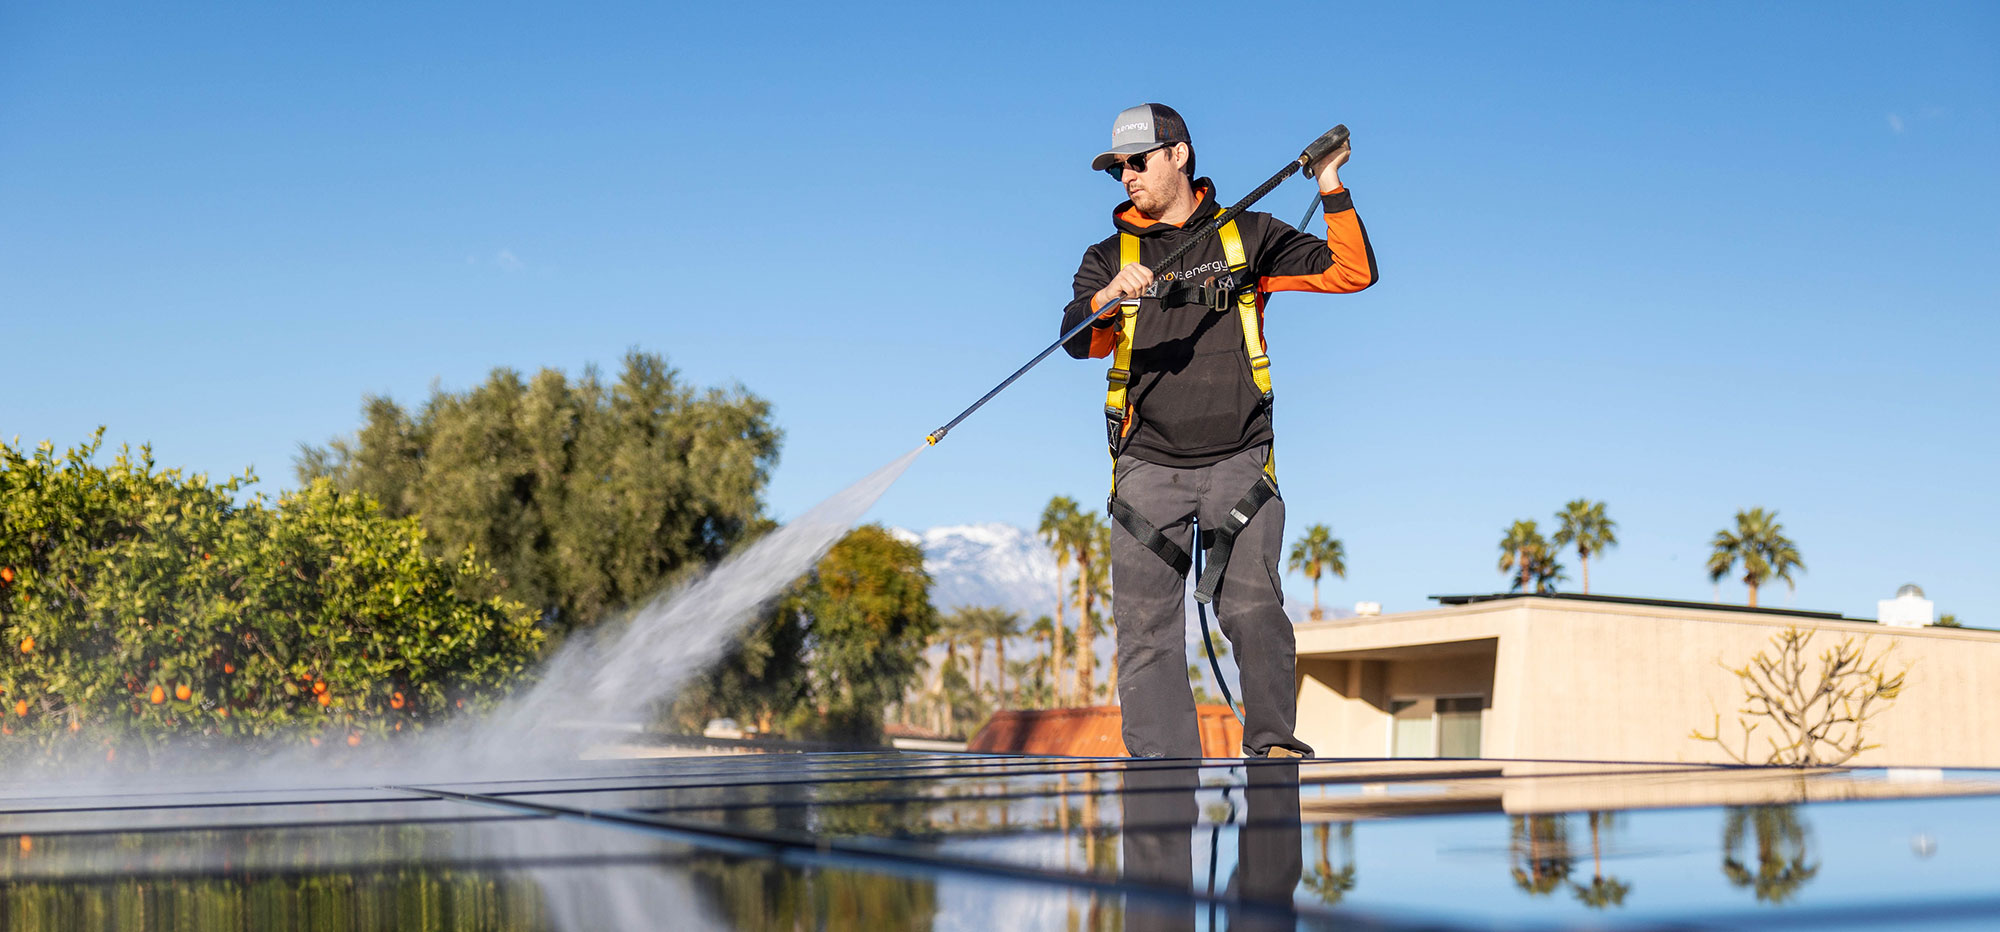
(1189, 419)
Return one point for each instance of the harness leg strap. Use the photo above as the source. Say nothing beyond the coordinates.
(1150, 537)
(1225, 538)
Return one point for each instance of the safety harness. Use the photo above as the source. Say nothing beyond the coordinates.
(1238, 288)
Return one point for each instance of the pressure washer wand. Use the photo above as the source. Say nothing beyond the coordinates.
(1333, 139)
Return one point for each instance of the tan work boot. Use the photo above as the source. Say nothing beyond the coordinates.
(1280, 751)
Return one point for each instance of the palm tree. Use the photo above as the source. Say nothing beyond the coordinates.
(1760, 543)
(997, 625)
(1781, 851)
(1545, 570)
(1050, 639)
(1315, 554)
(1584, 524)
(1540, 850)
(954, 629)
(1520, 546)
(1323, 880)
(1060, 513)
(1088, 538)
(1100, 592)
(964, 627)
(1603, 891)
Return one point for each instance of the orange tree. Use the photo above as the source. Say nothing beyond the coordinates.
(140, 604)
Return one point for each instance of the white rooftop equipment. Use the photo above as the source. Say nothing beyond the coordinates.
(1367, 608)
(1909, 609)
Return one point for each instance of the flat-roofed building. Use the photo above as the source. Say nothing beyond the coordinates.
(1572, 677)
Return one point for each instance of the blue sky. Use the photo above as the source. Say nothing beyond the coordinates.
(1684, 259)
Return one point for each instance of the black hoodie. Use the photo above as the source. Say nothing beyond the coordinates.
(1191, 390)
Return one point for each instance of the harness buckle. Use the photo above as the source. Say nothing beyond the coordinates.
(1118, 376)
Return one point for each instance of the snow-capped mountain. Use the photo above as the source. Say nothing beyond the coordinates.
(988, 564)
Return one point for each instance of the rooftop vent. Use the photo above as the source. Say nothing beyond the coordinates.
(1909, 609)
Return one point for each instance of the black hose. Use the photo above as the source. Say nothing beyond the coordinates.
(1214, 665)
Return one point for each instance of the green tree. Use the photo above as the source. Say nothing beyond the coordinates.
(869, 613)
(1058, 517)
(1316, 554)
(1583, 524)
(1760, 545)
(841, 646)
(139, 602)
(763, 678)
(587, 497)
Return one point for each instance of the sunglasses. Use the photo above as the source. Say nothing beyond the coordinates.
(1136, 163)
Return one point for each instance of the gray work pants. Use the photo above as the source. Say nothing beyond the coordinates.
(1149, 603)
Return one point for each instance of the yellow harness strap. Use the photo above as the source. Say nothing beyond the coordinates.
(1252, 321)
(1117, 407)
(1120, 377)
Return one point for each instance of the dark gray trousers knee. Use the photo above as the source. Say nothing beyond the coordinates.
(1149, 602)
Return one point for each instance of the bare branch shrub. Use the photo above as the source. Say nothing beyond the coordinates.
(1813, 722)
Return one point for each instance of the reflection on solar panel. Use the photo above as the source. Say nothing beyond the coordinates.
(886, 840)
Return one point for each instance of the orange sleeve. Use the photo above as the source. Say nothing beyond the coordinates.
(1349, 260)
(1102, 341)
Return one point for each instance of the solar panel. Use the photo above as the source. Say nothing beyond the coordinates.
(938, 840)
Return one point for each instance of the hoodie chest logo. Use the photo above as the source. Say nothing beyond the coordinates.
(1214, 267)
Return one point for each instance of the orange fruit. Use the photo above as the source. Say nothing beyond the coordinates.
(158, 695)
(325, 699)
(21, 707)
(399, 726)
(74, 725)
(224, 711)
(354, 740)
(395, 700)
(319, 687)
(182, 692)
(6, 574)
(28, 644)
(229, 668)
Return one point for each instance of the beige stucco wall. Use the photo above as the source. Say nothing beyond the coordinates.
(1574, 680)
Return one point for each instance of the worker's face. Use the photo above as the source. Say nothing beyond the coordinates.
(1155, 187)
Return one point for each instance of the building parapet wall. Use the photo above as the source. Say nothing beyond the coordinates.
(1614, 681)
